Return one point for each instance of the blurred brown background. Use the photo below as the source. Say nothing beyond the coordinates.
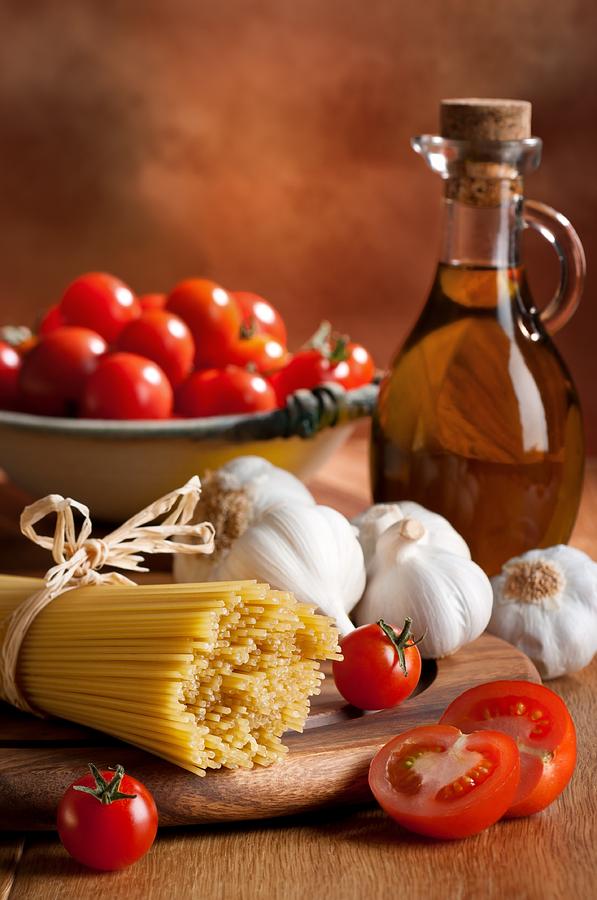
(265, 144)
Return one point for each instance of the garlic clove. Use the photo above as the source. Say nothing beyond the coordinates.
(311, 551)
(446, 595)
(373, 522)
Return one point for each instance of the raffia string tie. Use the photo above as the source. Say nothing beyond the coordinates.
(79, 558)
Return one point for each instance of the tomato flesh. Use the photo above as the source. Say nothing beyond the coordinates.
(538, 721)
(435, 780)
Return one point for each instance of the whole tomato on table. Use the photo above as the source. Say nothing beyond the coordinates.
(107, 820)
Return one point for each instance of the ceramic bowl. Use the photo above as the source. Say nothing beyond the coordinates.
(117, 468)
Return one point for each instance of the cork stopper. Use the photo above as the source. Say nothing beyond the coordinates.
(474, 119)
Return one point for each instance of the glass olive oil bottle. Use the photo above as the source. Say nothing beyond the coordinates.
(478, 418)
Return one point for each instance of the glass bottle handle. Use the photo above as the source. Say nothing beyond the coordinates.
(556, 229)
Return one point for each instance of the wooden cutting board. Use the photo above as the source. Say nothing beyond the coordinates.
(326, 766)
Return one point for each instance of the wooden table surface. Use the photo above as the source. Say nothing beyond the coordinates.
(339, 857)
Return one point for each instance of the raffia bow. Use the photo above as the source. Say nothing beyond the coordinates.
(79, 557)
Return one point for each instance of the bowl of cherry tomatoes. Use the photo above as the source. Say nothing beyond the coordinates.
(117, 399)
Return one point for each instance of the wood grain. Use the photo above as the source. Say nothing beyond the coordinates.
(326, 766)
(355, 855)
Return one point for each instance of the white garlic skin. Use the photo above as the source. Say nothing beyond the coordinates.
(291, 543)
(372, 523)
(558, 633)
(267, 484)
(446, 595)
(310, 551)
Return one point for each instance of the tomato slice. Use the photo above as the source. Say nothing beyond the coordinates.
(437, 781)
(539, 722)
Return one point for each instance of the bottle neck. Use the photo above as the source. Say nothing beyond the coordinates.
(482, 223)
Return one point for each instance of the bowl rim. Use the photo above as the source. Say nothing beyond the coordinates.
(306, 412)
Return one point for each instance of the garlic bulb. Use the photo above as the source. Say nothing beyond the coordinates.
(447, 595)
(372, 523)
(545, 602)
(269, 527)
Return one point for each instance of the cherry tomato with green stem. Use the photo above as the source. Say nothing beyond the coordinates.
(260, 317)
(261, 353)
(162, 337)
(381, 665)
(101, 302)
(356, 369)
(107, 820)
(127, 386)
(223, 392)
(54, 372)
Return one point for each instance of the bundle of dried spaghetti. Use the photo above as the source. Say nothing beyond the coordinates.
(203, 675)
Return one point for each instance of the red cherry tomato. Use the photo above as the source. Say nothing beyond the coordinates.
(54, 372)
(260, 317)
(107, 820)
(381, 667)
(212, 315)
(152, 301)
(127, 386)
(357, 369)
(101, 302)
(163, 337)
(10, 364)
(306, 369)
(541, 725)
(51, 320)
(263, 353)
(223, 392)
(436, 781)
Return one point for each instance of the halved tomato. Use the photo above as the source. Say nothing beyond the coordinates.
(439, 782)
(539, 722)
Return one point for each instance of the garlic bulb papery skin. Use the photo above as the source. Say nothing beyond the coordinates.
(372, 523)
(266, 483)
(446, 595)
(284, 539)
(545, 603)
